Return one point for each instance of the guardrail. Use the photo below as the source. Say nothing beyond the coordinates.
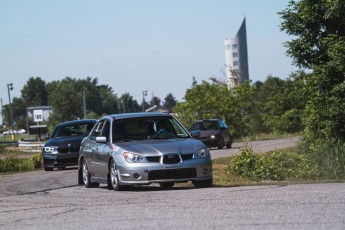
(29, 146)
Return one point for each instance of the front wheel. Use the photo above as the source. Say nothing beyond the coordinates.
(87, 177)
(113, 178)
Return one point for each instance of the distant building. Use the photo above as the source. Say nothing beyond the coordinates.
(236, 57)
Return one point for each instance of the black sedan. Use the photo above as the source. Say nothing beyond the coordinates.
(213, 132)
(62, 149)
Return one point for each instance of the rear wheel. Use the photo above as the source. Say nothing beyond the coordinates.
(87, 177)
(113, 178)
(166, 185)
(202, 183)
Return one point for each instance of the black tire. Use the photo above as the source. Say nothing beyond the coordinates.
(229, 144)
(202, 183)
(221, 143)
(86, 176)
(166, 185)
(48, 168)
(113, 178)
(80, 176)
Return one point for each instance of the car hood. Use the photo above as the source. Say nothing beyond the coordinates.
(163, 146)
(64, 141)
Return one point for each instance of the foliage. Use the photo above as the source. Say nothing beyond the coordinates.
(34, 92)
(329, 157)
(276, 165)
(155, 101)
(15, 164)
(128, 104)
(169, 101)
(273, 106)
(319, 44)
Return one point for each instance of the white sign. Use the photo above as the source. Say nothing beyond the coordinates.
(38, 115)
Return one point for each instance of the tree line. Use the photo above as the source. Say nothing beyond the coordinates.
(67, 97)
(272, 106)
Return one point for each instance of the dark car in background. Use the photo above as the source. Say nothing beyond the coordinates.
(62, 148)
(130, 149)
(213, 133)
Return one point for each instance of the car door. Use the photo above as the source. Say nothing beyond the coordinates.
(102, 151)
(91, 147)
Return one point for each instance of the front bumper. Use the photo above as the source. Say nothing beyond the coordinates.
(147, 173)
(60, 159)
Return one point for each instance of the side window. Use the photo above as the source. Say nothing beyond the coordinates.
(106, 129)
(98, 130)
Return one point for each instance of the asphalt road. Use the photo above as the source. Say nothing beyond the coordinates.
(53, 200)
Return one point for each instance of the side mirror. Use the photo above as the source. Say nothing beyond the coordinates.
(47, 136)
(195, 133)
(101, 139)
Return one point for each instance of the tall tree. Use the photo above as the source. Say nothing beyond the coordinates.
(169, 101)
(155, 101)
(34, 92)
(128, 104)
(318, 28)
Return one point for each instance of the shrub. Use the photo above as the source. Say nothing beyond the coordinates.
(276, 165)
(330, 158)
(14, 164)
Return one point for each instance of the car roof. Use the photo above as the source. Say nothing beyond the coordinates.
(206, 120)
(75, 122)
(136, 115)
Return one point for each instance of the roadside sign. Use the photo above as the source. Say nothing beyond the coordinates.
(38, 115)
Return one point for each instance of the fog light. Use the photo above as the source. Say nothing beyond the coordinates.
(205, 171)
(136, 176)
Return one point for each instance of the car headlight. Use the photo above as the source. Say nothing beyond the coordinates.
(213, 136)
(51, 149)
(202, 153)
(134, 158)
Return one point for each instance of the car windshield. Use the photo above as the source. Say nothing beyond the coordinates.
(81, 129)
(207, 125)
(147, 128)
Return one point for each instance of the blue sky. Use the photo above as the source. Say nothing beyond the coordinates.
(136, 45)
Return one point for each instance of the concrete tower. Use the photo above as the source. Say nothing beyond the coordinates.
(236, 57)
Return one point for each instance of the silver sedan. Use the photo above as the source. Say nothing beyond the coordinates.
(124, 150)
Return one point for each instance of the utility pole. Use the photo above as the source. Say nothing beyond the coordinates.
(84, 103)
(144, 94)
(9, 88)
(2, 115)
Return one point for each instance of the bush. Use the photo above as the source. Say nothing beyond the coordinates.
(276, 165)
(15, 164)
(330, 158)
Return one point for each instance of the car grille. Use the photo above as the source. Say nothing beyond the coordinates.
(172, 174)
(66, 149)
(187, 156)
(171, 159)
(153, 159)
(167, 160)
